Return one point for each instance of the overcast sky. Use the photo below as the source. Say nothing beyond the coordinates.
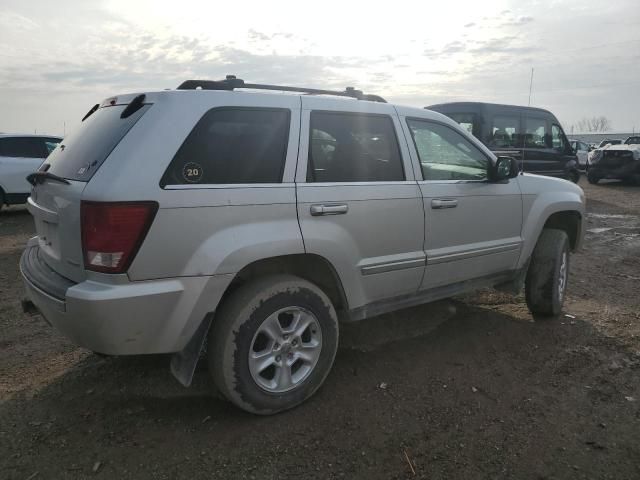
(59, 58)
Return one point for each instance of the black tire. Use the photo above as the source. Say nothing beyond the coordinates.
(592, 177)
(235, 332)
(573, 175)
(543, 290)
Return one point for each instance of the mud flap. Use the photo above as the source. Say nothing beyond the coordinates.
(183, 363)
(515, 286)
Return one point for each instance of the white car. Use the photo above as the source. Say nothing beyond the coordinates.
(582, 151)
(21, 155)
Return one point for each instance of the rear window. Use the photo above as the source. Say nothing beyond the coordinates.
(232, 145)
(81, 153)
(25, 147)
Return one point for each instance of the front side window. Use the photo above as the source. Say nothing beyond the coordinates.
(535, 133)
(445, 154)
(348, 147)
(505, 130)
(232, 145)
(25, 147)
(557, 138)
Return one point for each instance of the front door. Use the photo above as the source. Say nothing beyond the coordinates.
(472, 226)
(359, 205)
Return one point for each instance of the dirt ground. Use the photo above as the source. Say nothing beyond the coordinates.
(469, 388)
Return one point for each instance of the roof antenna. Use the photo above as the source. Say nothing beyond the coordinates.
(525, 123)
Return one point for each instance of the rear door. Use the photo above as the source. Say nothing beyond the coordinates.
(472, 226)
(359, 205)
(55, 205)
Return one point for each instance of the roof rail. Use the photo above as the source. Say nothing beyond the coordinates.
(231, 83)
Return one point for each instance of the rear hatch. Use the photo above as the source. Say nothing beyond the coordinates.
(55, 204)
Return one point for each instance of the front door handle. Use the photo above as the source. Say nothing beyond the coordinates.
(329, 209)
(444, 203)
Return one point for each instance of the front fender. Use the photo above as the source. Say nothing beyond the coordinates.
(542, 197)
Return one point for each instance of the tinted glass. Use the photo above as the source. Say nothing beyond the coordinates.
(505, 131)
(466, 120)
(632, 141)
(353, 148)
(445, 154)
(27, 147)
(81, 153)
(535, 134)
(232, 146)
(51, 143)
(557, 138)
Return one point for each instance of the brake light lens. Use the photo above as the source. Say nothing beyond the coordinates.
(112, 233)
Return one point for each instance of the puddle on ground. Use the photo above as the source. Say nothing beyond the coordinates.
(607, 215)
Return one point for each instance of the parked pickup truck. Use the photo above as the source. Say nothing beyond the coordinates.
(620, 162)
(261, 220)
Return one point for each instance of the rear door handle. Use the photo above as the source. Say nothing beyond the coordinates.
(444, 203)
(329, 209)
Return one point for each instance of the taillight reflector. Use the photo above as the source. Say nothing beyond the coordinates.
(112, 233)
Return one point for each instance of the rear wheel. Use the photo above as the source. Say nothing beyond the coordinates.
(546, 281)
(273, 343)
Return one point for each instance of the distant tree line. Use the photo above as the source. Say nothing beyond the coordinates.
(592, 124)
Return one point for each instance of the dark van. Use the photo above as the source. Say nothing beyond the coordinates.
(531, 135)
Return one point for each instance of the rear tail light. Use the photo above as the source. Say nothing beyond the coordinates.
(112, 233)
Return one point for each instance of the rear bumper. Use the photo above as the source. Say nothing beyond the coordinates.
(131, 318)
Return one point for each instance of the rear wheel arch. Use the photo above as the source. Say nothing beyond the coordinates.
(313, 268)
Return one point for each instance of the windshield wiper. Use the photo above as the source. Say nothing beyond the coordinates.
(40, 176)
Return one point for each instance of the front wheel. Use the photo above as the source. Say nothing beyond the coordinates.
(546, 281)
(592, 177)
(573, 175)
(273, 343)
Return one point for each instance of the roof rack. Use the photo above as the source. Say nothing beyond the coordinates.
(231, 83)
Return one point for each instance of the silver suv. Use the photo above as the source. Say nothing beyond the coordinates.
(260, 220)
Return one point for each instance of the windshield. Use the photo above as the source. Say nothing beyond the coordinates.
(81, 153)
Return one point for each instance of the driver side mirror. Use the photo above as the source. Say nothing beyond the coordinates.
(504, 168)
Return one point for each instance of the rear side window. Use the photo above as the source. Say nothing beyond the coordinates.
(348, 147)
(26, 147)
(81, 153)
(505, 131)
(232, 145)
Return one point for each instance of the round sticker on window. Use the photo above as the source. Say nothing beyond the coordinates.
(192, 172)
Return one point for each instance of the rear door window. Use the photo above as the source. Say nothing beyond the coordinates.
(231, 146)
(81, 153)
(505, 131)
(350, 147)
(25, 147)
